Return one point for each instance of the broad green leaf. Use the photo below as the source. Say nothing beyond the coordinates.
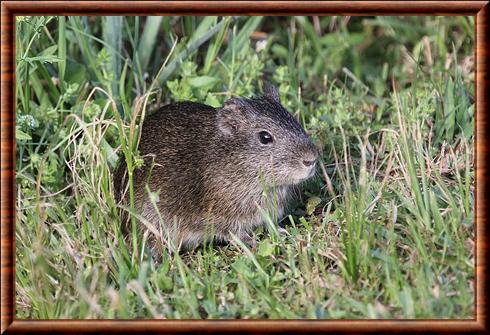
(21, 136)
(202, 81)
(211, 100)
(311, 204)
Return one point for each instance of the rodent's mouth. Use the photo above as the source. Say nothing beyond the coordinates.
(292, 173)
(304, 174)
(312, 172)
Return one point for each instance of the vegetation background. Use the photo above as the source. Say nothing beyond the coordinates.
(385, 230)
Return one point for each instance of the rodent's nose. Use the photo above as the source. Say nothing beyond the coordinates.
(309, 154)
(309, 162)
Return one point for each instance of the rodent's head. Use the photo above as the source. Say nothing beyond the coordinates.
(261, 134)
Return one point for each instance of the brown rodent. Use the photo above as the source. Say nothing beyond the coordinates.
(217, 170)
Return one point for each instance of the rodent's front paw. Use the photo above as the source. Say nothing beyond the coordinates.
(282, 231)
(250, 241)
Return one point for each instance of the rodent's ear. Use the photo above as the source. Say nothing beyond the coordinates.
(270, 91)
(230, 116)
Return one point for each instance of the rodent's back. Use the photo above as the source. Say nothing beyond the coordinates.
(178, 130)
(174, 147)
(172, 139)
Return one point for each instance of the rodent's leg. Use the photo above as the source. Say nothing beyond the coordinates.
(190, 239)
(249, 240)
(282, 231)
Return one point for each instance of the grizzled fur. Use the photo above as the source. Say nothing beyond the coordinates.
(213, 174)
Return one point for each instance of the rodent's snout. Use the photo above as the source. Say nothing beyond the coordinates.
(308, 163)
(310, 155)
(309, 158)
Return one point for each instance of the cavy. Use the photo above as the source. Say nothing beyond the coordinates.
(216, 170)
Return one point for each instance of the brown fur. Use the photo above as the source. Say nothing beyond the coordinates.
(213, 174)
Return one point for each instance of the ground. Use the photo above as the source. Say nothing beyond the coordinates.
(387, 222)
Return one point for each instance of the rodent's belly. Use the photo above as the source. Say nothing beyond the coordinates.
(189, 218)
(189, 230)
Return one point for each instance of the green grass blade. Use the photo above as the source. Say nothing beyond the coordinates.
(191, 47)
(149, 39)
(112, 35)
(61, 50)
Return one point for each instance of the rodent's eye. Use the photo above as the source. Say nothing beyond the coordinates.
(265, 137)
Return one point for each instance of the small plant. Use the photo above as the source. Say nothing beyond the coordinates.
(387, 221)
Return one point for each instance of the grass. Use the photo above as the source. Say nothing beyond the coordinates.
(387, 222)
